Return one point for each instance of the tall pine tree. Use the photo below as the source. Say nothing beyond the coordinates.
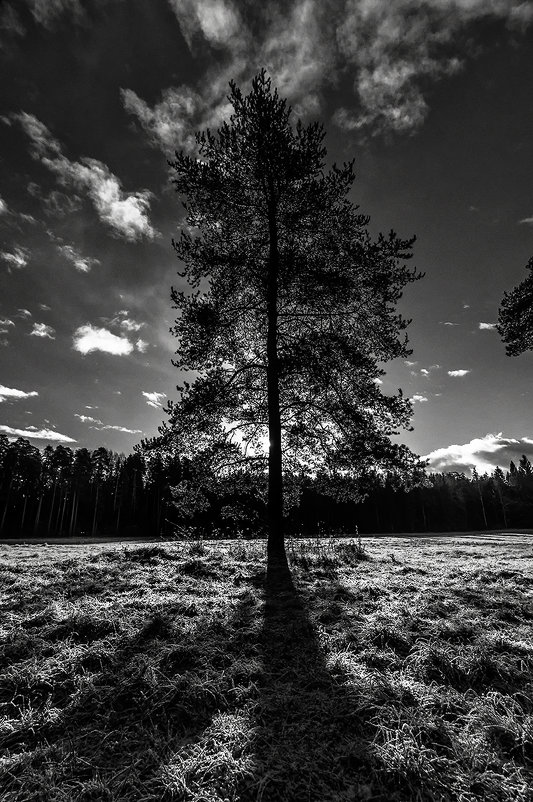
(289, 308)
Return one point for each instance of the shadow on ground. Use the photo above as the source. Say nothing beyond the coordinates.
(308, 724)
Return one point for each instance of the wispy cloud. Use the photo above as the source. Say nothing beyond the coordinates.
(526, 221)
(99, 426)
(154, 399)
(3, 206)
(394, 51)
(80, 262)
(448, 323)
(5, 321)
(42, 330)
(487, 326)
(125, 213)
(482, 453)
(15, 395)
(37, 434)
(458, 373)
(141, 346)
(47, 12)
(16, 258)
(87, 418)
(123, 429)
(217, 20)
(88, 339)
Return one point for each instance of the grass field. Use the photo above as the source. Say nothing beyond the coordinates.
(170, 672)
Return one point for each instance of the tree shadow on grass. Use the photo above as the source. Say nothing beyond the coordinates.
(308, 741)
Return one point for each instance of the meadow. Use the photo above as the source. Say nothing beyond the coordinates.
(391, 669)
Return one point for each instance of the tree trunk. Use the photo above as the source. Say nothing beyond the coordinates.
(482, 505)
(276, 555)
(95, 509)
(6, 506)
(24, 512)
(52, 507)
(38, 514)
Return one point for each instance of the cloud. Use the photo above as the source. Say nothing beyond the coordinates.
(399, 49)
(125, 213)
(81, 263)
(5, 321)
(42, 330)
(87, 418)
(487, 326)
(24, 313)
(218, 21)
(15, 395)
(125, 322)
(421, 399)
(10, 21)
(90, 338)
(527, 221)
(16, 258)
(99, 426)
(481, 453)
(40, 434)
(141, 346)
(117, 429)
(3, 206)
(47, 12)
(297, 48)
(393, 52)
(458, 373)
(448, 323)
(154, 399)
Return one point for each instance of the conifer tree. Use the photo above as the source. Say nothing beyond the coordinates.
(515, 318)
(288, 308)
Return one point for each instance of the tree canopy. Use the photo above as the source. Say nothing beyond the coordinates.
(287, 308)
(515, 319)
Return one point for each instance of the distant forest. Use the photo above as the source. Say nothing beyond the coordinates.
(61, 492)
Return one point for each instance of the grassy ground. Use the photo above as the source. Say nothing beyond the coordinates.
(171, 672)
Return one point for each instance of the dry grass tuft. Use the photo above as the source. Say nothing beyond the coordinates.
(174, 672)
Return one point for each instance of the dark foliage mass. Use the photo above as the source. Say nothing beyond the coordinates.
(58, 492)
(515, 320)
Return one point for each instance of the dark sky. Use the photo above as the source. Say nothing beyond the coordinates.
(433, 99)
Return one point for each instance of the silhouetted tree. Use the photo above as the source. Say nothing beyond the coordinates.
(515, 318)
(289, 310)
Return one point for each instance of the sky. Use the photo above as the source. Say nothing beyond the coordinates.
(432, 98)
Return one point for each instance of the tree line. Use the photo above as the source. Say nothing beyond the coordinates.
(61, 492)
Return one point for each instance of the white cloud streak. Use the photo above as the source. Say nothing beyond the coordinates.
(420, 399)
(154, 399)
(487, 326)
(82, 263)
(42, 330)
(481, 453)
(16, 258)
(15, 395)
(458, 373)
(99, 426)
(37, 434)
(125, 213)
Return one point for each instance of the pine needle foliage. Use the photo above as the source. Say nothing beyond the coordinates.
(515, 319)
(288, 306)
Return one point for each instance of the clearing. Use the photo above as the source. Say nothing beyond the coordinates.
(161, 672)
